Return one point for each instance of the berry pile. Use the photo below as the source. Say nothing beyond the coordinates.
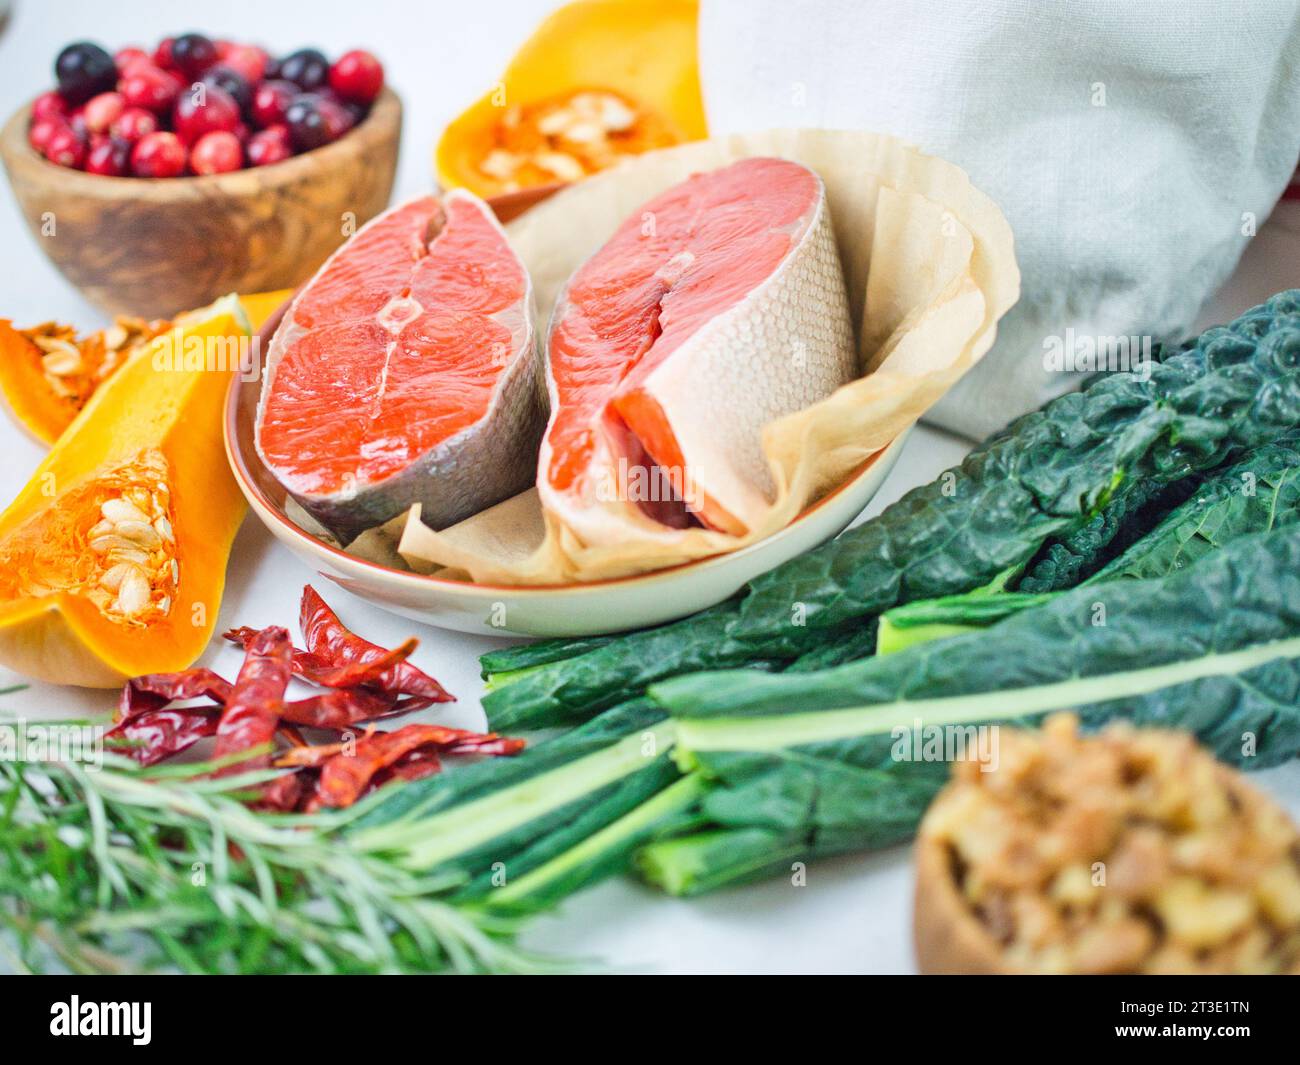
(196, 106)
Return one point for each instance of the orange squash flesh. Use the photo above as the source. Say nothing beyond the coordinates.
(160, 422)
(641, 51)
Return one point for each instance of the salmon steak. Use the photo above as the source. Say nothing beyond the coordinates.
(405, 372)
(715, 309)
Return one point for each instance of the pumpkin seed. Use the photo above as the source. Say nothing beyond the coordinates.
(164, 528)
(133, 593)
(122, 509)
(114, 575)
(127, 552)
(115, 336)
(138, 532)
(60, 359)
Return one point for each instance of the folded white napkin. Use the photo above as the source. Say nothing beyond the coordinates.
(1135, 147)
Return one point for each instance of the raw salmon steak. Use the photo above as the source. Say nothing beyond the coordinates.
(715, 309)
(405, 372)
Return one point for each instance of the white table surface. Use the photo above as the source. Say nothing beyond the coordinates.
(854, 913)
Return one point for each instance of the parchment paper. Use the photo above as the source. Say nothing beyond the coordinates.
(930, 269)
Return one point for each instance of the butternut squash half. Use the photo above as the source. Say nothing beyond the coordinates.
(599, 80)
(48, 373)
(113, 556)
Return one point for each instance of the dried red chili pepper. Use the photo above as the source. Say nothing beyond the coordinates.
(149, 736)
(284, 793)
(327, 638)
(155, 690)
(244, 634)
(345, 777)
(256, 700)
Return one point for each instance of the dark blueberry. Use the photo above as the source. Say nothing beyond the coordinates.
(272, 71)
(307, 68)
(84, 70)
(193, 53)
(224, 77)
(307, 126)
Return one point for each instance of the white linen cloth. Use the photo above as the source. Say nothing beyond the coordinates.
(1134, 145)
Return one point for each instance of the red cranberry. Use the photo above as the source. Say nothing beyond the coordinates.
(216, 111)
(103, 110)
(216, 153)
(110, 157)
(357, 76)
(40, 132)
(248, 59)
(77, 120)
(162, 55)
(84, 70)
(307, 68)
(50, 105)
(224, 77)
(338, 119)
(270, 145)
(149, 87)
(270, 101)
(307, 126)
(193, 53)
(158, 155)
(125, 58)
(66, 147)
(134, 123)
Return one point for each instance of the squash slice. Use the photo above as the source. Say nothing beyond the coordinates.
(113, 556)
(48, 374)
(599, 80)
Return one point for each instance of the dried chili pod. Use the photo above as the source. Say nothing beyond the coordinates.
(243, 635)
(155, 690)
(253, 708)
(149, 736)
(372, 672)
(327, 638)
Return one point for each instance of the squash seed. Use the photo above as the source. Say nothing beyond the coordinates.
(133, 593)
(138, 532)
(122, 509)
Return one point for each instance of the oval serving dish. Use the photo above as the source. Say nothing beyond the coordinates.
(587, 609)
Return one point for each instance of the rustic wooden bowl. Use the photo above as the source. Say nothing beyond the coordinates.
(156, 247)
(950, 938)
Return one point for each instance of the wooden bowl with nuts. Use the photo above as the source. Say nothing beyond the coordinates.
(1128, 851)
(154, 247)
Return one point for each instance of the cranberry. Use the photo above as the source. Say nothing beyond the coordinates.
(158, 155)
(134, 123)
(77, 120)
(248, 59)
(110, 157)
(270, 100)
(307, 126)
(49, 105)
(216, 153)
(224, 77)
(272, 70)
(357, 76)
(84, 70)
(125, 58)
(338, 119)
(216, 111)
(270, 145)
(193, 53)
(162, 55)
(103, 110)
(66, 147)
(149, 87)
(307, 68)
(40, 132)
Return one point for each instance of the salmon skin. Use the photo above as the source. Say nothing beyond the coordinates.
(406, 372)
(715, 309)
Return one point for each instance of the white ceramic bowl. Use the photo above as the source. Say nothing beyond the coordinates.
(567, 610)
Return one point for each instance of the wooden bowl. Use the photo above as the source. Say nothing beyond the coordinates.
(950, 938)
(156, 247)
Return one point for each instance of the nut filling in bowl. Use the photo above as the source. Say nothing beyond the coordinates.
(1131, 851)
